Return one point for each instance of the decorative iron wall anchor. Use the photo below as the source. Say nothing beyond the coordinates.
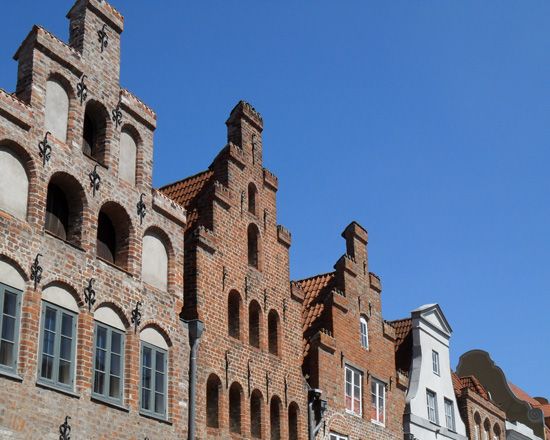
(45, 149)
(265, 299)
(89, 294)
(224, 277)
(265, 218)
(36, 271)
(95, 180)
(141, 208)
(286, 390)
(136, 316)
(116, 114)
(65, 429)
(249, 376)
(267, 381)
(246, 288)
(242, 201)
(226, 369)
(102, 38)
(82, 89)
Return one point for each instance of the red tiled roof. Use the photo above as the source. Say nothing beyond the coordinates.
(545, 407)
(402, 329)
(184, 191)
(470, 382)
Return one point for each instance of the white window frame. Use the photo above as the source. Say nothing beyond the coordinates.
(334, 436)
(435, 363)
(355, 383)
(431, 397)
(450, 414)
(378, 390)
(364, 331)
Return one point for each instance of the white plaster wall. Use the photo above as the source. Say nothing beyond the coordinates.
(108, 316)
(57, 110)
(14, 184)
(154, 270)
(153, 337)
(10, 277)
(127, 158)
(61, 297)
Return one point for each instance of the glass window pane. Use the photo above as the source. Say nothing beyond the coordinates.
(6, 353)
(47, 343)
(146, 361)
(67, 325)
(116, 342)
(65, 349)
(8, 328)
(101, 337)
(159, 403)
(99, 382)
(145, 398)
(115, 365)
(100, 360)
(159, 361)
(114, 387)
(159, 382)
(49, 322)
(47, 367)
(10, 303)
(146, 378)
(64, 372)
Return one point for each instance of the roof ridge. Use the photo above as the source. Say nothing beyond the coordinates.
(315, 276)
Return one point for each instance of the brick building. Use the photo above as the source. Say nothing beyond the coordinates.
(90, 290)
(349, 348)
(250, 382)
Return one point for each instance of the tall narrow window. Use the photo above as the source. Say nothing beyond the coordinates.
(256, 410)
(378, 401)
(213, 386)
(10, 306)
(254, 313)
(496, 432)
(57, 212)
(477, 426)
(234, 315)
(275, 418)
(252, 192)
(56, 110)
(435, 362)
(14, 183)
(432, 407)
(293, 417)
(486, 429)
(449, 414)
(273, 332)
(113, 235)
(235, 398)
(153, 380)
(94, 132)
(253, 246)
(354, 384)
(364, 328)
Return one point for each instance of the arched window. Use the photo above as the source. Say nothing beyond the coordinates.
(486, 429)
(275, 418)
(293, 420)
(109, 337)
(58, 338)
(496, 432)
(256, 412)
(364, 328)
(252, 193)
(57, 110)
(94, 135)
(127, 157)
(213, 386)
(254, 326)
(64, 208)
(154, 373)
(12, 286)
(113, 235)
(253, 246)
(235, 407)
(273, 332)
(14, 183)
(477, 426)
(154, 261)
(234, 314)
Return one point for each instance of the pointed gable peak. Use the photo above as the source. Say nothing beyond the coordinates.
(434, 317)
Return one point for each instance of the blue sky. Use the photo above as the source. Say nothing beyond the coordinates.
(425, 121)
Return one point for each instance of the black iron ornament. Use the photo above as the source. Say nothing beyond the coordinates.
(226, 369)
(36, 271)
(253, 149)
(45, 149)
(265, 298)
(116, 114)
(265, 218)
(136, 316)
(246, 288)
(284, 309)
(89, 294)
(267, 381)
(65, 430)
(286, 390)
(224, 277)
(364, 267)
(249, 376)
(102, 38)
(141, 208)
(82, 89)
(95, 180)
(242, 201)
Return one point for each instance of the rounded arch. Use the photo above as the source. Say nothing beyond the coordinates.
(16, 171)
(65, 204)
(116, 309)
(107, 314)
(95, 130)
(252, 198)
(254, 324)
(254, 246)
(235, 407)
(56, 109)
(273, 332)
(61, 79)
(234, 303)
(496, 431)
(114, 231)
(128, 154)
(293, 421)
(157, 258)
(256, 413)
(487, 427)
(63, 295)
(275, 407)
(155, 335)
(213, 397)
(12, 274)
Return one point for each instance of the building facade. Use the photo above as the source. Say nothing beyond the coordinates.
(90, 284)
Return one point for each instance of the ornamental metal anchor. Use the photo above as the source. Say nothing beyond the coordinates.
(116, 114)
(102, 38)
(45, 149)
(65, 430)
(136, 316)
(82, 89)
(95, 180)
(141, 208)
(89, 294)
(36, 271)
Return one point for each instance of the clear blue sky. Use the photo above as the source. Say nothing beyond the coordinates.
(426, 121)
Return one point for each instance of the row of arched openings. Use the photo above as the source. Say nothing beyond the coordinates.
(235, 410)
(485, 431)
(255, 319)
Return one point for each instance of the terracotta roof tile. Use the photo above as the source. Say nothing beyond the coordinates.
(470, 382)
(402, 329)
(545, 407)
(184, 191)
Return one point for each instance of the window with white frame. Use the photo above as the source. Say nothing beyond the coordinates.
(364, 327)
(378, 401)
(435, 362)
(354, 379)
(432, 406)
(449, 414)
(334, 436)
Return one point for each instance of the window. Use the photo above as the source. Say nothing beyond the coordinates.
(113, 235)
(364, 332)
(127, 157)
(252, 192)
(273, 332)
(449, 414)
(486, 429)
(254, 313)
(334, 436)
(94, 131)
(153, 380)
(293, 417)
(435, 362)
(275, 418)
(213, 386)
(477, 426)
(378, 401)
(256, 411)
(234, 315)
(432, 407)
(354, 384)
(14, 183)
(108, 363)
(57, 346)
(10, 310)
(56, 110)
(235, 398)
(496, 432)
(253, 249)
(154, 261)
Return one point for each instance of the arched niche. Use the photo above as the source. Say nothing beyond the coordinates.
(14, 183)
(56, 110)
(127, 156)
(106, 315)
(154, 261)
(10, 276)
(60, 296)
(154, 337)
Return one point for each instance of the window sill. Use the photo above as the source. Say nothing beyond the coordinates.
(351, 413)
(11, 375)
(103, 401)
(114, 266)
(377, 423)
(158, 418)
(57, 237)
(58, 389)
